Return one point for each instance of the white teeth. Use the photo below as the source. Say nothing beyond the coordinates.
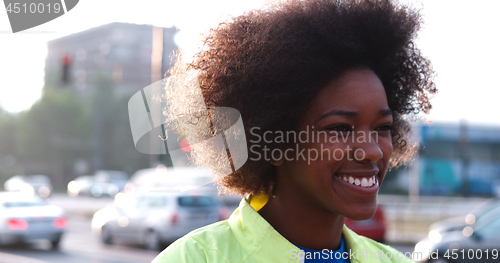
(364, 182)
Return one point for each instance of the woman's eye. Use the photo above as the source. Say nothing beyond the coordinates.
(385, 128)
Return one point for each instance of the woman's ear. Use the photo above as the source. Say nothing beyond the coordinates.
(278, 162)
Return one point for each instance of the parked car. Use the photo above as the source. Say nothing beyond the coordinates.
(479, 242)
(154, 219)
(26, 218)
(81, 185)
(30, 184)
(484, 212)
(179, 179)
(171, 179)
(373, 228)
(103, 183)
(118, 178)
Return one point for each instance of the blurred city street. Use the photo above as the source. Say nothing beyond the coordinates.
(89, 131)
(405, 227)
(78, 244)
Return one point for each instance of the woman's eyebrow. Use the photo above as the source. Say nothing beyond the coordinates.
(350, 114)
(343, 113)
(385, 112)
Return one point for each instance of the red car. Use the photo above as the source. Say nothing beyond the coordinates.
(373, 228)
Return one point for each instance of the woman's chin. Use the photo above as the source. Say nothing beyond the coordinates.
(361, 214)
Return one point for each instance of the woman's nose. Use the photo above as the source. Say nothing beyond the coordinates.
(367, 152)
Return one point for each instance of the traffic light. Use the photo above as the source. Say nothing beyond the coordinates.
(66, 64)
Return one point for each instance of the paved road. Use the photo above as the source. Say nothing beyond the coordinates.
(80, 246)
(77, 246)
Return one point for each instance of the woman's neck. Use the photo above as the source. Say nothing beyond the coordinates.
(301, 222)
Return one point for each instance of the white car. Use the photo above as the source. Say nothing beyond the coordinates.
(103, 183)
(27, 218)
(30, 184)
(154, 219)
(484, 212)
(170, 179)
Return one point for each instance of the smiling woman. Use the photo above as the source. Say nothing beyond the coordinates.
(345, 69)
(358, 91)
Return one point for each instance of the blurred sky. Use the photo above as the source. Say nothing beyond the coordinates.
(460, 37)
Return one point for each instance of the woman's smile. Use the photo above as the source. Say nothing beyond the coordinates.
(359, 185)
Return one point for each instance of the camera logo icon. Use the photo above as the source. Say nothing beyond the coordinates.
(160, 128)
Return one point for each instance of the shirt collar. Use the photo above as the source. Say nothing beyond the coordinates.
(254, 233)
(251, 229)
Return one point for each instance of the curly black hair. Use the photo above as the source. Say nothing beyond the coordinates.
(270, 63)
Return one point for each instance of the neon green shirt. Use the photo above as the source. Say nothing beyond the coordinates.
(247, 237)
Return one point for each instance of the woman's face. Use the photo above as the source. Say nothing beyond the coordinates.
(347, 159)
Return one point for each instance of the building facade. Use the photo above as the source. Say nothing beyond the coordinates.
(133, 56)
(453, 159)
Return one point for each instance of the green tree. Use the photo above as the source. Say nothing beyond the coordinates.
(113, 144)
(66, 126)
(53, 134)
(8, 147)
